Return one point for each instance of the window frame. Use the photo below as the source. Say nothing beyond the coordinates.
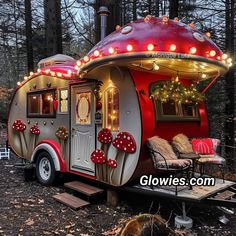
(105, 117)
(40, 92)
(179, 117)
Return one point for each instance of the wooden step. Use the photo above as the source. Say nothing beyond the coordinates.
(86, 189)
(224, 195)
(70, 200)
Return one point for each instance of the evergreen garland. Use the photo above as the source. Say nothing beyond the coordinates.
(176, 91)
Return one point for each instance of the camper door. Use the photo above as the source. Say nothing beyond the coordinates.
(82, 128)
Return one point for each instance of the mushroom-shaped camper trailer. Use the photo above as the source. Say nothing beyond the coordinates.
(150, 69)
(141, 80)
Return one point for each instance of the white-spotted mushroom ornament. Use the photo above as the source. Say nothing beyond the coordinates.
(98, 158)
(105, 138)
(125, 143)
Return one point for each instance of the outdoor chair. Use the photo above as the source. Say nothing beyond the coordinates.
(183, 149)
(202, 151)
(165, 161)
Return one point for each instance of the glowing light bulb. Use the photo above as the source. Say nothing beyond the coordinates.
(59, 74)
(31, 73)
(39, 70)
(172, 47)
(25, 77)
(177, 78)
(78, 63)
(155, 66)
(111, 50)
(18, 83)
(150, 47)
(224, 56)
(203, 76)
(193, 50)
(86, 59)
(53, 73)
(229, 60)
(230, 64)
(96, 53)
(129, 48)
(212, 53)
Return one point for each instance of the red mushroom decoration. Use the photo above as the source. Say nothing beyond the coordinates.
(125, 144)
(35, 131)
(98, 158)
(105, 138)
(112, 164)
(19, 127)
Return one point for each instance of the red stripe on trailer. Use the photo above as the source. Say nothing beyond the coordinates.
(56, 147)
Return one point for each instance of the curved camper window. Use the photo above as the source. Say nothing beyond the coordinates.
(40, 104)
(171, 110)
(112, 119)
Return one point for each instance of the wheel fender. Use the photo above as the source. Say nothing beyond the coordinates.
(54, 149)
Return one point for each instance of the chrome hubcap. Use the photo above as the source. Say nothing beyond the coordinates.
(45, 168)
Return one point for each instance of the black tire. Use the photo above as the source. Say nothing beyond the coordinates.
(45, 169)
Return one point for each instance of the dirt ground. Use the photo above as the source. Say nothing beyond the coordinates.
(27, 208)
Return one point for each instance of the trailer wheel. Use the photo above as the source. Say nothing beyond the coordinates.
(45, 169)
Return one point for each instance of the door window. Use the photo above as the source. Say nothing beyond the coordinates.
(83, 108)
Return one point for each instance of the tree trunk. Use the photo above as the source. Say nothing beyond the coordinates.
(174, 8)
(28, 31)
(53, 32)
(134, 10)
(157, 8)
(230, 82)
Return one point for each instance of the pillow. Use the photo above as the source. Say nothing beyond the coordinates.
(216, 143)
(203, 146)
(182, 144)
(161, 145)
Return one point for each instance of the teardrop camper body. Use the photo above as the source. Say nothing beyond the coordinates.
(93, 117)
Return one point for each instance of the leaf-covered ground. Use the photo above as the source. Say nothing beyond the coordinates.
(27, 208)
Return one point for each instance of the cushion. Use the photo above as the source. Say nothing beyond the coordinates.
(176, 164)
(189, 156)
(216, 143)
(161, 145)
(203, 146)
(182, 144)
(215, 159)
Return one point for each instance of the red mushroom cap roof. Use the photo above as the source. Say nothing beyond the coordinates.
(19, 125)
(124, 141)
(105, 136)
(35, 130)
(112, 163)
(171, 42)
(141, 33)
(98, 157)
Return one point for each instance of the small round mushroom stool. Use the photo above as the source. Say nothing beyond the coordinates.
(183, 221)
